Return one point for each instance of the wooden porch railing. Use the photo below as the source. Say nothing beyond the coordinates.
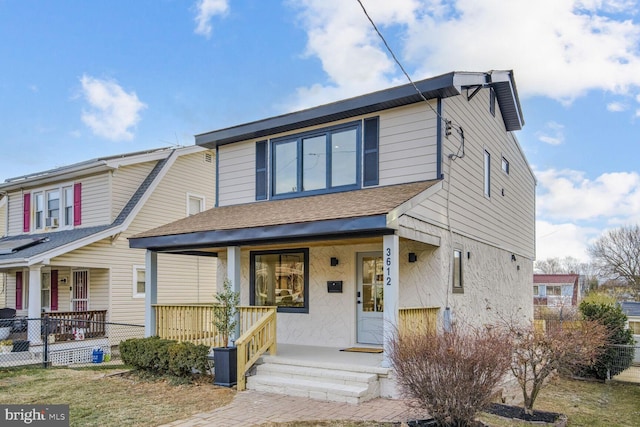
(63, 323)
(418, 319)
(194, 322)
(253, 343)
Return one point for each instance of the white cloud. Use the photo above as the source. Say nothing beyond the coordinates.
(558, 48)
(113, 112)
(562, 240)
(567, 195)
(207, 9)
(351, 52)
(552, 134)
(616, 107)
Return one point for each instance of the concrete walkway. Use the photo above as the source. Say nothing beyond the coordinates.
(253, 408)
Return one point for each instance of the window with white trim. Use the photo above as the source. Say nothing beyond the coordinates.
(139, 281)
(195, 204)
(53, 208)
(45, 291)
(505, 165)
(67, 200)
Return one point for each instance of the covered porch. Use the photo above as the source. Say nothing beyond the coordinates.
(258, 338)
(332, 278)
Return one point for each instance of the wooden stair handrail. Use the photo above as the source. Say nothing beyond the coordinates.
(254, 343)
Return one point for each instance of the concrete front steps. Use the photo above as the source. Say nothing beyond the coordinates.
(317, 380)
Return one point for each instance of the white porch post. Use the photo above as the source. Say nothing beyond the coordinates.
(150, 292)
(233, 274)
(391, 262)
(35, 304)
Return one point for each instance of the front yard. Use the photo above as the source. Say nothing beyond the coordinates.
(100, 397)
(97, 397)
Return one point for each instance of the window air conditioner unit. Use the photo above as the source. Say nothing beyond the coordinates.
(51, 222)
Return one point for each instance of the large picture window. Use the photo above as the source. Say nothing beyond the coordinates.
(281, 278)
(319, 161)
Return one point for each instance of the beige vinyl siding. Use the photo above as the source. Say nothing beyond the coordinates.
(124, 183)
(408, 144)
(181, 278)
(237, 173)
(95, 200)
(505, 221)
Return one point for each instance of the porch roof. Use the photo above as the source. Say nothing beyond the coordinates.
(356, 213)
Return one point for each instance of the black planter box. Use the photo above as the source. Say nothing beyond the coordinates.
(20, 345)
(225, 366)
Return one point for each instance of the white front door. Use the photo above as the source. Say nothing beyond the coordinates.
(370, 298)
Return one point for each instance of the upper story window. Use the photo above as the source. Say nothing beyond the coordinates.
(195, 204)
(318, 161)
(338, 158)
(505, 165)
(52, 208)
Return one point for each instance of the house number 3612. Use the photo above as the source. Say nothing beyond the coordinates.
(387, 262)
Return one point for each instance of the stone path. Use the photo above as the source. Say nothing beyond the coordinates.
(252, 408)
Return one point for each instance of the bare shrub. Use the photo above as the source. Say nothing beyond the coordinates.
(563, 348)
(452, 374)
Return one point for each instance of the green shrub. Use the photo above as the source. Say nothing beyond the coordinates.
(612, 360)
(185, 357)
(147, 354)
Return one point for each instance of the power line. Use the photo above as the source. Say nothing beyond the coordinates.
(446, 122)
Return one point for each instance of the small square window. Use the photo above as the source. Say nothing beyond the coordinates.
(195, 204)
(505, 165)
(139, 281)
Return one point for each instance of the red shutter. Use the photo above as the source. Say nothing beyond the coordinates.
(19, 290)
(26, 213)
(54, 290)
(77, 203)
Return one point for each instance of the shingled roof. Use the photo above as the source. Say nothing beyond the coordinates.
(260, 216)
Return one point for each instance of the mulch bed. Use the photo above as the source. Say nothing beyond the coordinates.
(507, 411)
(517, 412)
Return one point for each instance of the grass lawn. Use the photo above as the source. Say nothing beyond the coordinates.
(97, 397)
(592, 404)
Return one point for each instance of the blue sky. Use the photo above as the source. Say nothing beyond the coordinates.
(85, 79)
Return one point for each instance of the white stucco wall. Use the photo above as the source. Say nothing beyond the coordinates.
(493, 287)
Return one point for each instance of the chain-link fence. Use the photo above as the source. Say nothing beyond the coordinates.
(624, 363)
(62, 342)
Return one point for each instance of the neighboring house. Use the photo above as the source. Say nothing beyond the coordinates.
(343, 215)
(632, 310)
(556, 290)
(66, 247)
(3, 232)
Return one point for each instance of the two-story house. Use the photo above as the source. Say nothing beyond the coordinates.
(65, 250)
(556, 290)
(347, 215)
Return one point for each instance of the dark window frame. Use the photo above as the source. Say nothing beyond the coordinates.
(457, 285)
(297, 139)
(252, 277)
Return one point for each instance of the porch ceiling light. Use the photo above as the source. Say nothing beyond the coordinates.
(334, 261)
(413, 257)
